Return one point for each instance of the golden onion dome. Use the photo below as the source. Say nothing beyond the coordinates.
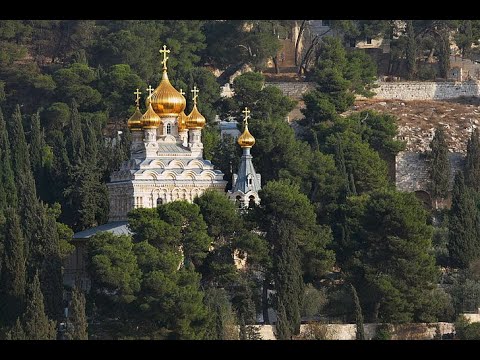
(135, 121)
(182, 121)
(166, 100)
(246, 140)
(195, 119)
(150, 120)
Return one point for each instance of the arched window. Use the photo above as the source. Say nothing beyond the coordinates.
(249, 180)
(169, 128)
(159, 201)
(251, 201)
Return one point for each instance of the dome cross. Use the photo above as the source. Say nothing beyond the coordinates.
(164, 52)
(137, 100)
(195, 92)
(247, 115)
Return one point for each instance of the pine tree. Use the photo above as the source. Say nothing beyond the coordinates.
(78, 319)
(360, 332)
(440, 165)
(37, 325)
(472, 161)
(411, 51)
(463, 237)
(12, 285)
(8, 191)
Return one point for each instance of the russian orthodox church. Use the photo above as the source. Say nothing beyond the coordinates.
(166, 164)
(166, 155)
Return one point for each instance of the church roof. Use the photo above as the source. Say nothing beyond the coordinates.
(115, 227)
(246, 171)
(172, 149)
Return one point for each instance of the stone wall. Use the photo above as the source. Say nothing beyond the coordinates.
(411, 170)
(293, 89)
(413, 90)
(417, 331)
(426, 90)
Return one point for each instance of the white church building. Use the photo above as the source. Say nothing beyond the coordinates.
(166, 164)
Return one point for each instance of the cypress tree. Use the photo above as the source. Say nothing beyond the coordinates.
(472, 161)
(12, 286)
(463, 237)
(37, 143)
(37, 325)
(440, 165)
(78, 319)
(288, 281)
(444, 53)
(16, 332)
(27, 195)
(289, 220)
(49, 263)
(76, 142)
(8, 191)
(411, 51)
(360, 331)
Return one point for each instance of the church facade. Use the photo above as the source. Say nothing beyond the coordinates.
(166, 155)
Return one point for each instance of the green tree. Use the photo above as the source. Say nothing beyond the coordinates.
(78, 319)
(463, 225)
(8, 191)
(360, 331)
(223, 325)
(16, 332)
(37, 325)
(27, 196)
(411, 51)
(440, 165)
(289, 235)
(392, 265)
(472, 161)
(75, 140)
(114, 266)
(12, 285)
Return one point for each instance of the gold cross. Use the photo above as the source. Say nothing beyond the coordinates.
(182, 92)
(150, 90)
(195, 92)
(164, 52)
(137, 100)
(247, 115)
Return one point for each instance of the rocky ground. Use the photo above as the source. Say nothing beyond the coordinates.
(417, 120)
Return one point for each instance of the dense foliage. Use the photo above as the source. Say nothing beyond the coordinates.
(330, 238)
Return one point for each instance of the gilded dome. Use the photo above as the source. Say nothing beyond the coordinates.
(135, 121)
(166, 100)
(150, 120)
(182, 121)
(246, 140)
(195, 119)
